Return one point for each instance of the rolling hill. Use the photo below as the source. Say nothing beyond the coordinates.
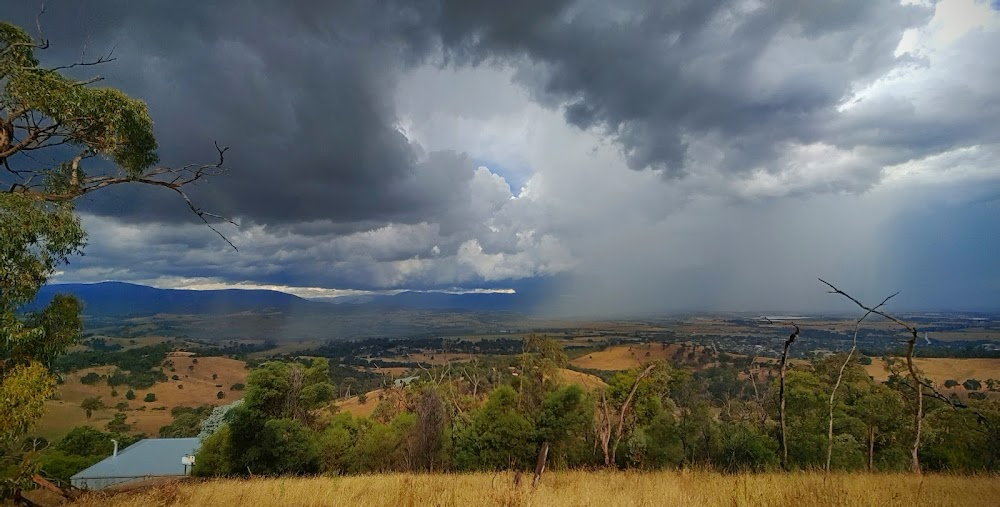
(107, 299)
(119, 299)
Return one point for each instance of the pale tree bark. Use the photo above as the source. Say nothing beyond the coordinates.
(609, 426)
(918, 384)
(871, 447)
(918, 411)
(543, 455)
(840, 377)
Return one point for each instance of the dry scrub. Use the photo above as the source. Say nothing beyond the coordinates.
(577, 488)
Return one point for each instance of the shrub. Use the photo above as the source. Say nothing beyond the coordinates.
(150, 397)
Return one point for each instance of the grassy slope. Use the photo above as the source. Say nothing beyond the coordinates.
(599, 488)
(940, 369)
(623, 357)
(64, 413)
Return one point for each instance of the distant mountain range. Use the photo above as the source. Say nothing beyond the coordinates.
(107, 299)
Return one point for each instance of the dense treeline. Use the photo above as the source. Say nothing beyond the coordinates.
(482, 416)
(133, 360)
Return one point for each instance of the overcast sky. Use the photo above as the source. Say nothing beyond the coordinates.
(644, 155)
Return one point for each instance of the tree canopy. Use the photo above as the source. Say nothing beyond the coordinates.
(100, 137)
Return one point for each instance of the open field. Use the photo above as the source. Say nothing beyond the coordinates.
(623, 357)
(600, 488)
(585, 380)
(940, 369)
(356, 408)
(64, 413)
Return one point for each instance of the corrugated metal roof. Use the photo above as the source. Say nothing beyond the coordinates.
(152, 457)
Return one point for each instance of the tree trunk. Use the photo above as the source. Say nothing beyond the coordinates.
(840, 378)
(604, 430)
(543, 455)
(918, 417)
(871, 446)
(918, 413)
(781, 399)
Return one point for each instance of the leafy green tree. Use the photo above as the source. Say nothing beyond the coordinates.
(663, 446)
(90, 379)
(130, 395)
(540, 363)
(118, 424)
(184, 425)
(91, 404)
(878, 408)
(265, 446)
(150, 397)
(745, 448)
(379, 447)
(972, 384)
(337, 444)
(59, 466)
(499, 437)
(282, 390)
(88, 441)
(963, 439)
(220, 395)
(213, 455)
(268, 389)
(50, 116)
(566, 419)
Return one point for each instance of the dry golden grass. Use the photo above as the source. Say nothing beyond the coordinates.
(64, 413)
(585, 380)
(940, 369)
(575, 488)
(357, 409)
(623, 357)
(393, 371)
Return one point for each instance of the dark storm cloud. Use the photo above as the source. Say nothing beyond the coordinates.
(745, 99)
(301, 93)
(655, 74)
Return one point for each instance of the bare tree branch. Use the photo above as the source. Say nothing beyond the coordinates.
(840, 376)
(918, 413)
(178, 178)
(38, 21)
(781, 397)
(83, 63)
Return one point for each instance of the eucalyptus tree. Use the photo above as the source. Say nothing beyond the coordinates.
(101, 138)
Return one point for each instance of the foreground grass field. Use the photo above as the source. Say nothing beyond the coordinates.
(575, 488)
